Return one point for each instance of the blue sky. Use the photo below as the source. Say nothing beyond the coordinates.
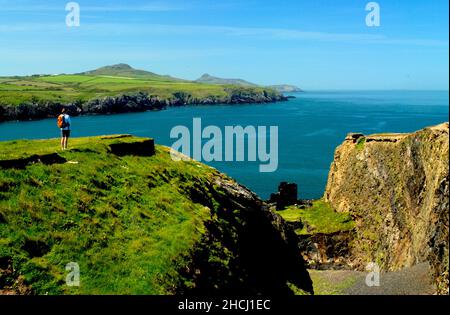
(315, 44)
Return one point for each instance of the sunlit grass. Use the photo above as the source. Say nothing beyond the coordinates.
(128, 222)
(319, 218)
(70, 88)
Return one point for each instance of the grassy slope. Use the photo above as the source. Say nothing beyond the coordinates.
(319, 218)
(69, 88)
(126, 221)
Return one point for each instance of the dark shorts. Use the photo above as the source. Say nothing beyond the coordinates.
(65, 133)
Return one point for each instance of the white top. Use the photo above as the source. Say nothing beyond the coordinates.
(67, 121)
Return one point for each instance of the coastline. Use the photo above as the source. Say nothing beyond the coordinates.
(129, 103)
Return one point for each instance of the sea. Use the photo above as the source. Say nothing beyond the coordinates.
(310, 127)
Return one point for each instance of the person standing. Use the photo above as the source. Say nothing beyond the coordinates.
(64, 125)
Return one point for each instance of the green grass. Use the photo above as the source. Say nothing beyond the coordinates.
(128, 222)
(360, 144)
(296, 290)
(82, 87)
(319, 218)
(332, 282)
(23, 148)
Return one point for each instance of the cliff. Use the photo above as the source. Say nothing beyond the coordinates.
(396, 187)
(135, 222)
(133, 102)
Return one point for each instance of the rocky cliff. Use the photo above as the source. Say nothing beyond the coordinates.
(396, 187)
(134, 102)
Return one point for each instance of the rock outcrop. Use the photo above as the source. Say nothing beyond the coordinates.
(396, 186)
(265, 247)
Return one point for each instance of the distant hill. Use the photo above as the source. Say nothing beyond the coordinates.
(282, 88)
(116, 89)
(285, 88)
(206, 78)
(124, 70)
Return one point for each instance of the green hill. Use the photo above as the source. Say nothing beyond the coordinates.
(115, 89)
(126, 71)
(66, 88)
(106, 81)
(136, 222)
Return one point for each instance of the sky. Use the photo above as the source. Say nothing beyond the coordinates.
(315, 44)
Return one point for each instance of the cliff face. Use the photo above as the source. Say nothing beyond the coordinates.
(135, 222)
(396, 186)
(135, 102)
(261, 251)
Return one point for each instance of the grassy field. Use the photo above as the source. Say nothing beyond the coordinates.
(128, 222)
(107, 81)
(70, 88)
(319, 218)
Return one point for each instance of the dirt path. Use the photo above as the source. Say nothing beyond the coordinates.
(409, 281)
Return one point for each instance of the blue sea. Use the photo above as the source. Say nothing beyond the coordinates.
(310, 126)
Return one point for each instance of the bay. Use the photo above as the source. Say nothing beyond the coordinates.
(311, 126)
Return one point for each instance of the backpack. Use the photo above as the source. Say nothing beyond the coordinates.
(61, 121)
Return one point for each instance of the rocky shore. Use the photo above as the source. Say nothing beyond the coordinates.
(133, 102)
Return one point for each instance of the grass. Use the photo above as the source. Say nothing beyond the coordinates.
(332, 282)
(296, 290)
(83, 87)
(128, 222)
(360, 144)
(23, 148)
(319, 218)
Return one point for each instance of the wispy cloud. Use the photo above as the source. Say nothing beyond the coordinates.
(287, 34)
(253, 33)
(23, 6)
(268, 33)
(153, 7)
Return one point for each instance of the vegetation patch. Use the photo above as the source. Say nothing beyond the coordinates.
(319, 218)
(128, 225)
(332, 282)
(360, 144)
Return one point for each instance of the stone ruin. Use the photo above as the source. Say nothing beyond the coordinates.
(286, 195)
